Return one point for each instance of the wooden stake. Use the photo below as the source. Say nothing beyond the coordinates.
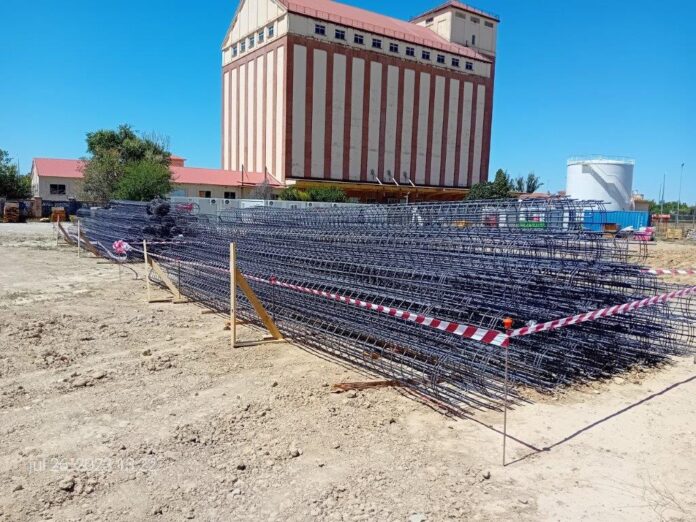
(178, 298)
(78, 238)
(151, 263)
(147, 270)
(258, 306)
(67, 238)
(346, 386)
(505, 406)
(507, 323)
(89, 246)
(238, 279)
(233, 294)
(267, 340)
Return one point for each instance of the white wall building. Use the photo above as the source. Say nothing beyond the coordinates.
(61, 179)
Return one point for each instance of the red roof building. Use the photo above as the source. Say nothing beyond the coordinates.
(317, 91)
(61, 179)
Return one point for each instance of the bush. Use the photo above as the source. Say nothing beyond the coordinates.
(292, 194)
(329, 194)
(144, 181)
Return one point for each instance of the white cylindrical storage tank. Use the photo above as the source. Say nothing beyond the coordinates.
(601, 178)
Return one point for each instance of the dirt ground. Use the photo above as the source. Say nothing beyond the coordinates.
(673, 254)
(115, 409)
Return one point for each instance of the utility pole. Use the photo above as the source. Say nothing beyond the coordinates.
(662, 194)
(681, 173)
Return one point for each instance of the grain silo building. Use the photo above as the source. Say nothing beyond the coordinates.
(319, 92)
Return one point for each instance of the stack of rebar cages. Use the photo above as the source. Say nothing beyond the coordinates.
(472, 263)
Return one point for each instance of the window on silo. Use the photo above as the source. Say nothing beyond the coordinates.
(359, 39)
(425, 55)
(469, 66)
(394, 48)
(410, 51)
(340, 34)
(440, 58)
(271, 31)
(473, 39)
(376, 43)
(251, 42)
(455, 62)
(234, 51)
(261, 35)
(242, 46)
(320, 29)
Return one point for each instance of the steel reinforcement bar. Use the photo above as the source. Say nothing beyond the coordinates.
(366, 283)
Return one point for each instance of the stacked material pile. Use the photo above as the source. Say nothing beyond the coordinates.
(11, 213)
(394, 289)
(58, 214)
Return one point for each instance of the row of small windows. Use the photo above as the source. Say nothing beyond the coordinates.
(251, 41)
(208, 194)
(359, 39)
(474, 20)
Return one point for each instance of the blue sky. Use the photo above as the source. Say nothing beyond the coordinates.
(573, 77)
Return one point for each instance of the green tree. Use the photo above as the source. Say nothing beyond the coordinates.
(670, 207)
(101, 175)
(128, 146)
(113, 154)
(533, 183)
(13, 185)
(530, 184)
(499, 188)
(143, 181)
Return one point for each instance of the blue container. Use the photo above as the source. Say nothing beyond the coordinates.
(594, 220)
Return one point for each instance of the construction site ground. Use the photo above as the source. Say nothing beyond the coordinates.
(115, 409)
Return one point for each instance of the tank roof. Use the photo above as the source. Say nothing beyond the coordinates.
(599, 158)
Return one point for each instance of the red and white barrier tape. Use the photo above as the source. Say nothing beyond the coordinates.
(463, 330)
(483, 335)
(487, 336)
(670, 271)
(604, 312)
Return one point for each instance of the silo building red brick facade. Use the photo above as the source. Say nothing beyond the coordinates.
(319, 91)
